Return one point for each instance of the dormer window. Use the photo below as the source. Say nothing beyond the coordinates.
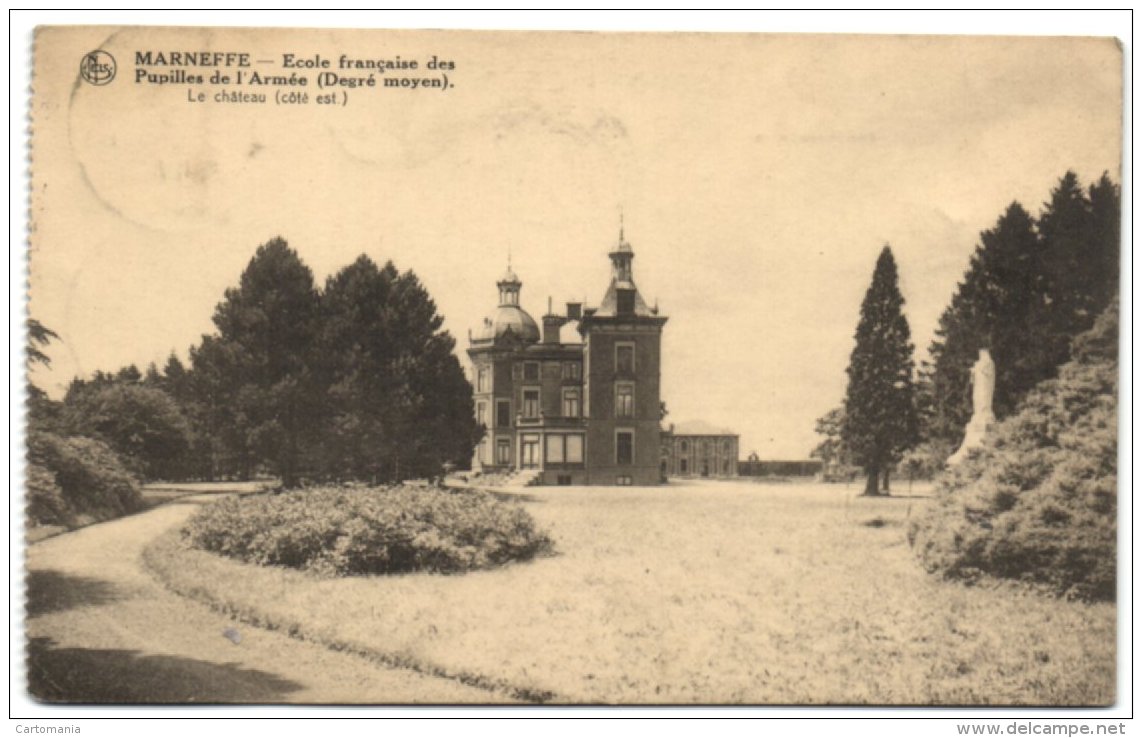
(625, 304)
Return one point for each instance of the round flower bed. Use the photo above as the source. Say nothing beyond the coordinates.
(343, 531)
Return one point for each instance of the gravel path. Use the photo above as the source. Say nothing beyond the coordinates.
(100, 629)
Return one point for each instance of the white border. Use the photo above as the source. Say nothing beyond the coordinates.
(1117, 23)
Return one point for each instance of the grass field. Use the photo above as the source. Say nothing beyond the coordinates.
(697, 593)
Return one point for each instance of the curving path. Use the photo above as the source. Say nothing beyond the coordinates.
(100, 629)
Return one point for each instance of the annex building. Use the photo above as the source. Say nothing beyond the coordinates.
(698, 449)
(571, 413)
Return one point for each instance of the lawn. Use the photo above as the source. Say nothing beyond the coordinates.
(706, 592)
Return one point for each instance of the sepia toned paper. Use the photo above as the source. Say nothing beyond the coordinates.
(755, 178)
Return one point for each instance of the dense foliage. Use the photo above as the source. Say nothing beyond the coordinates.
(836, 460)
(879, 420)
(346, 530)
(70, 480)
(1038, 502)
(143, 424)
(356, 381)
(268, 329)
(398, 403)
(1031, 287)
(74, 480)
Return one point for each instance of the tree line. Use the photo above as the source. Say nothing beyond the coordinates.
(355, 381)
(1032, 286)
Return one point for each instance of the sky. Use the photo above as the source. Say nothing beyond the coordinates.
(758, 177)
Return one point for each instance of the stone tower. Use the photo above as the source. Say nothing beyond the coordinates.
(622, 355)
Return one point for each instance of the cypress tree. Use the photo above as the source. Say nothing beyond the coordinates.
(880, 416)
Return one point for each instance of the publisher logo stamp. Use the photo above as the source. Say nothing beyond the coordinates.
(97, 67)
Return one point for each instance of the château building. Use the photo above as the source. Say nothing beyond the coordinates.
(572, 413)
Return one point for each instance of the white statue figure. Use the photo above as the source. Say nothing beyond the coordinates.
(982, 385)
(982, 391)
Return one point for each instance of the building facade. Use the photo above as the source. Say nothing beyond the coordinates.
(583, 412)
(699, 450)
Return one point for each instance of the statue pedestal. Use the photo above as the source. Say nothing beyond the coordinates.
(974, 434)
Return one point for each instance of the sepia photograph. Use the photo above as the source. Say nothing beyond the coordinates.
(551, 368)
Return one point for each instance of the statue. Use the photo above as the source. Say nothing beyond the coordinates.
(982, 392)
(983, 385)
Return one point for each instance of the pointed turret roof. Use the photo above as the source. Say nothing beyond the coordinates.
(622, 278)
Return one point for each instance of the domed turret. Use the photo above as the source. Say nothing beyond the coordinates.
(508, 320)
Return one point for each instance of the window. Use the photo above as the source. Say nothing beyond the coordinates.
(624, 358)
(531, 403)
(482, 379)
(624, 400)
(725, 447)
(564, 448)
(624, 447)
(503, 413)
(481, 414)
(529, 452)
(571, 370)
(571, 403)
(531, 370)
(554, 449)
(623, 480)
(574, 453)
(683, 467)
(503, 451)
(685, 447)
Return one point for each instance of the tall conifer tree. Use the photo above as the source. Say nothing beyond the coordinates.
(266, 391)
(1029, 290)
(400, 405)
(880, 415)
(995, 307)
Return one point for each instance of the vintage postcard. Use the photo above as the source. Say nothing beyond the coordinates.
(470, 367)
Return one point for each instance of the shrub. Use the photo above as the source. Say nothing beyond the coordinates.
(926, 460)
(72, 479)
(45, 502)
(1038, 502)
(143, 424)
(344, 530)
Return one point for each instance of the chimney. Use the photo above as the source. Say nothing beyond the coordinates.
(551, 325)
(574, 310)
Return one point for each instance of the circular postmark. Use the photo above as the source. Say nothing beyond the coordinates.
(97, 67)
